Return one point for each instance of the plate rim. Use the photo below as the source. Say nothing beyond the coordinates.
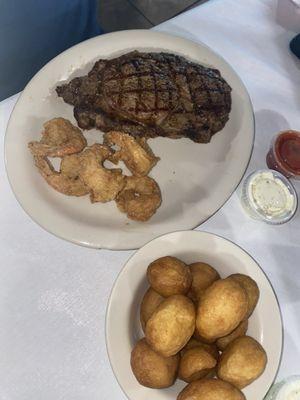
(200, 233)
(136, 243)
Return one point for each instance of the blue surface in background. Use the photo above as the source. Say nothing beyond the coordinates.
(32, 32)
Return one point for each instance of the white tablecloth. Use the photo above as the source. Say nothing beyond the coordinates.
(53, 294)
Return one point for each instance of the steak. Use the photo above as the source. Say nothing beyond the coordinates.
(149, 95)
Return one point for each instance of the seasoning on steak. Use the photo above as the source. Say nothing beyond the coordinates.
(149, 95)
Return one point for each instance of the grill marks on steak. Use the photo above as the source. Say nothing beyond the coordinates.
(151, 94)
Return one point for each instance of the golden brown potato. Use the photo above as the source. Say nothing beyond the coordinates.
(151, 369)
(211, 348)
(196, 363)
(251, 288)
(203, 276)
(239, 331)
(150, 302)
(171, 325)
(210, 389)
(242, 361)
(201, 338)
(222, 307)
(169, 276)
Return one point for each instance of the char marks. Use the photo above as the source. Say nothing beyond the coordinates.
(149, 95)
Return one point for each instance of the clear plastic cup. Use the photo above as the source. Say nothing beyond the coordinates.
(288, 389)
(268, 196)
(284, 153)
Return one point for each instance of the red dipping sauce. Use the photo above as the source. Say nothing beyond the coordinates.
(284, 154)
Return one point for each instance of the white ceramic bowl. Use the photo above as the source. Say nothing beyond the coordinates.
(122, 319)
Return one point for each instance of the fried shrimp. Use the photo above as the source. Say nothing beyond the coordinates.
(104, 184)
(82, 169)
(135, 153)
(70, 166)
(67, 180)
(140, 198)
(59, 138)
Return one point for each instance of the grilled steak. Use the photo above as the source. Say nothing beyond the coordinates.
(151, 94)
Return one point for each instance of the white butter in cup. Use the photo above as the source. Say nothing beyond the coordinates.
(268, 196)
(289, 389)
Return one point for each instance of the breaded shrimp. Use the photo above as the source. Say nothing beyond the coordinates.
(59, 138)
(135, 153)
(67, 181)
(104, 184)
(140, 198)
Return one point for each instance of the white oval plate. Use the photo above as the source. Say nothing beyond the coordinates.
(195, 179)
(122, 317)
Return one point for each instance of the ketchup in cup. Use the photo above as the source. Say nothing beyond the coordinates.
(284, 154)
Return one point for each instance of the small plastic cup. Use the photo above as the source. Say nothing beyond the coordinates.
(284, 154)
(285, 389)
(268, 196)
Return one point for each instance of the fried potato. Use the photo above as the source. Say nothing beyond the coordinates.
(168, 276)
(210, 389)
(203, 276)
(151, 369)
(239, 331)
(251, 288)
(202, 339)
(196, 363)
(242, 361)
(150, 302)
(171, 325)
(210, 348)
(222, 307)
